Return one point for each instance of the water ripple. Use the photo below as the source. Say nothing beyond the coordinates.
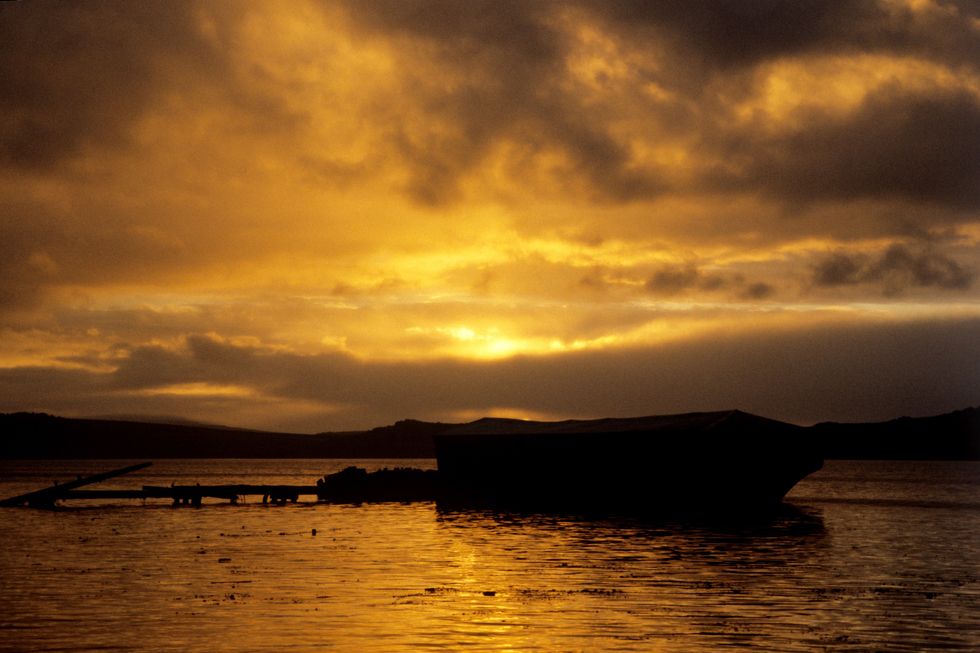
(849, 568)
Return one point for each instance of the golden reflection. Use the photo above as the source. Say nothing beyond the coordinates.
(515, 573)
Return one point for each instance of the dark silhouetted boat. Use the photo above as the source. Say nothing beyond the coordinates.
(677, 464)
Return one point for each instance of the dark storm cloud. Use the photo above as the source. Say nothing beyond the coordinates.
(74, 75)
(899, 143)
(505, 56)
(758, 290)
(896, 145)
(670, 280)
(77, 75)
(718, 35)
(838, 269)
(896, 269)
(511, 56)
(673, 279)
(873, 371)
(508, 59)
(921, 268)
(731, 32)
(482, 30)
(723, 32)
(922, 145)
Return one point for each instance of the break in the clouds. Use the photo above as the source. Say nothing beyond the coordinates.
(287, 211)
(842, 372)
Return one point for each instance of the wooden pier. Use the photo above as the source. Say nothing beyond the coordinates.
(178, 494)
(195, 494)
(352, 485)
(46, 497)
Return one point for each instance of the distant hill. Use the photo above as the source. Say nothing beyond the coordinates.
(953, 436)
(38, 435)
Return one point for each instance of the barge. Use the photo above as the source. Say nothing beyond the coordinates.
(718, 461)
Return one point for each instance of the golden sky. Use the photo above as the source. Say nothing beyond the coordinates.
(331, 215)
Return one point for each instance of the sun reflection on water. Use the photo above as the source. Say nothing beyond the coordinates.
(380, 577)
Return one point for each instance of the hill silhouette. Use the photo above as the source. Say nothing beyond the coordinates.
(39, 435)
(952, 436)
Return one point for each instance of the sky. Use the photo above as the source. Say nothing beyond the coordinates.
(310, 216)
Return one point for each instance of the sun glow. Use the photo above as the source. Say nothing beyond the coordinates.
(267, 205)
(198, 389)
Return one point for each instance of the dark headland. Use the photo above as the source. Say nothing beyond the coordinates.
(951, 436)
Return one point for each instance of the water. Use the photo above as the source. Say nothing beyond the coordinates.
(873, 556)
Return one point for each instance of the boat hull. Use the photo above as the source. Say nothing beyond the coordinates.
(729, 462)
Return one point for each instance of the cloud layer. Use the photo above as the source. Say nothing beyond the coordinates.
(518, 191)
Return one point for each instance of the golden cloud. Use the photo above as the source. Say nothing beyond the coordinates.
(400, 183)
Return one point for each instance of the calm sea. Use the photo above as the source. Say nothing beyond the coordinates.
(872, 556)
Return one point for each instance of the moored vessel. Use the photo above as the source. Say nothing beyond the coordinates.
(728, 461)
